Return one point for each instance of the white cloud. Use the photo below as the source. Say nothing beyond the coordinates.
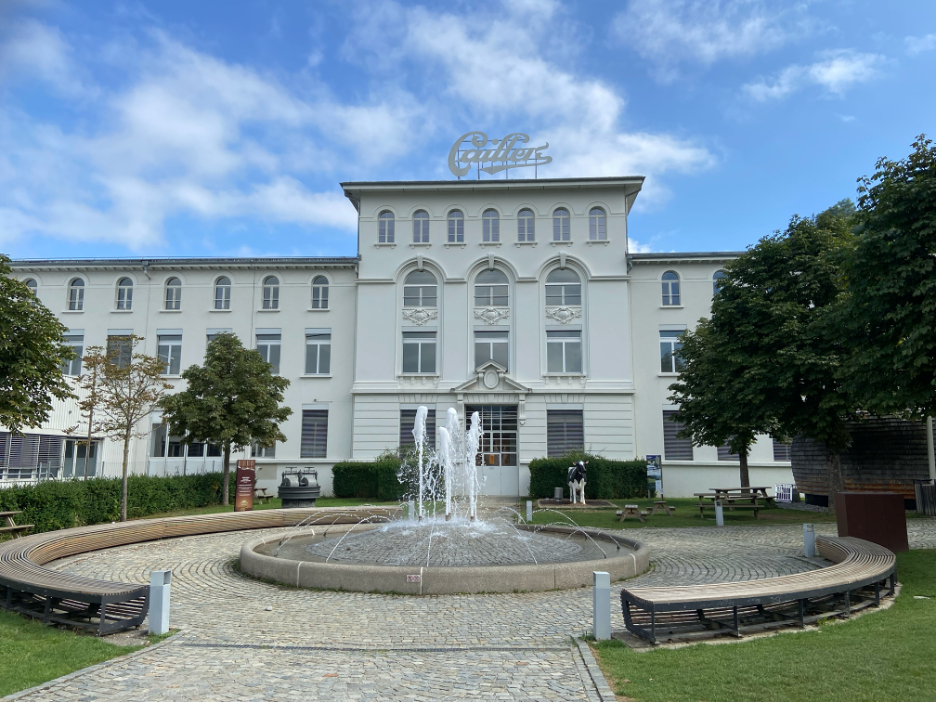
(31, 50)
(835, 73)
(672, 32)
(917, 45)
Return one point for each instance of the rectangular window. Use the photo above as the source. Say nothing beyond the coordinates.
(212, 334)
(670, 360)
(498, 445)
(496, 295)
(318, 352)
(76, 343)
(563, 295)
(674, 448)
(75, 298)
(564, 351)
(565, 432)
(119, 350)
(725, 454)
(419, 352)
(420, 296)
(492, 346)
(269, 347)
(314, 442)
(456, 230)
(258, 451)
(781, 451)
(170, 353)
(408, 419)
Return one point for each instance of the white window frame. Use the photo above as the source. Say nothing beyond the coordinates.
(669, 350)
(597, 224)
(386, 227)
(173, 297)
(76, 342)
(317, 342)
(222, 293)
(266, 342)
(493, 291)
(564, 339)
(421, 227)
(169, 350)
(124, 297)
(526, 225)
(271, 296)
(671, 293)
(567, 296)
(421, 292)
(320, 293)
(491, 226)
(456, 227)
(561, 226)
(76, 290)
(427, 344)
(492, 338)
(717, 276)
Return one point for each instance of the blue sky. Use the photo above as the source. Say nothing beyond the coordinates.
(223, 127)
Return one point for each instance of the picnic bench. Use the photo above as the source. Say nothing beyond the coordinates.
(631, 511)
(11, 526)
(708, 500)
(261, 495)
(660, 505)
(57, 597)
(860, 568)
(746, 491)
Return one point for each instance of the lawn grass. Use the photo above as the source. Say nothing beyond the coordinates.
(275, 503)
(883, 656)
(32, 653)
(687, 515)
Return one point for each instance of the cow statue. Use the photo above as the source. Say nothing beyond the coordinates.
(577, 482)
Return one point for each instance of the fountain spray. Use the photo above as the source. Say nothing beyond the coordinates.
(419, 434)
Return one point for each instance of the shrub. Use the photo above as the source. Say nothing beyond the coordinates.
(64, 504)
(368, 480)
(607, 479)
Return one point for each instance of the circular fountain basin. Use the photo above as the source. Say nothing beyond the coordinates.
(443, 558)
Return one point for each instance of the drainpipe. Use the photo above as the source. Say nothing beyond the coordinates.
(929, 448)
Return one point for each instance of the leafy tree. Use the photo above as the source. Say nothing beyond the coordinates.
(121, 391)
(889, 315)
(232, 400)
(32, 353)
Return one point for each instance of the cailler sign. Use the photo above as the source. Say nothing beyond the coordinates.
(501, 154)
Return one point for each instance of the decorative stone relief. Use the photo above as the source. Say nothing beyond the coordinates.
(420, 316)
(492, 315)
(564, 315)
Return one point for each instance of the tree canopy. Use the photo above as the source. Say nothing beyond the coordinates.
(32, 352)
(232, 400)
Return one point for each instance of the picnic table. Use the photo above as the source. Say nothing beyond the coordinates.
(261, 494)
(708, 500)
(11, 526)
(742, 491)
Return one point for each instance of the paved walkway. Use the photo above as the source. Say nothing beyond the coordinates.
(317, 645)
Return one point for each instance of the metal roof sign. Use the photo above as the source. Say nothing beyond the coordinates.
(500, 154)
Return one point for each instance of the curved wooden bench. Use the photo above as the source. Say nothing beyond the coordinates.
(28, 587)
(696, 611)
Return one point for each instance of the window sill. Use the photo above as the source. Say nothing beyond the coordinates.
(172, 311)
(454, 244)
(599, 242)
(495, 244)
(420, 245)
(524, 243)
(418, 375)
(385, 245)
(265, 311)
(72, 311)
(224, 311)
(121, 311)
(317, 309)
(671, 307)
(668, 375)
(170, 377)
(316, 375)
(564, 375)
(560, 243)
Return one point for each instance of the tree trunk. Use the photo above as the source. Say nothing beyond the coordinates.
(227, 475)
(123, 486)
(745, 476)
(835, 479)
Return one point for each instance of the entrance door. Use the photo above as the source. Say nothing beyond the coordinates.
(75, 462)
(497, 453)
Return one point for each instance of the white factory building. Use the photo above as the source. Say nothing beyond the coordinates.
(515, 298)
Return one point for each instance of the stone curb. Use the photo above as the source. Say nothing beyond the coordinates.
(605, 693)
(90, 669)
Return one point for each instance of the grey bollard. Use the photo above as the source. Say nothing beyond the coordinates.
(529, 510)
(160, 582)
(558, 493)
(809, 540)
(601, 606)
(719, 514)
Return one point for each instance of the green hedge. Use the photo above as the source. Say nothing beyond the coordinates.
(606, 479)
(376, 480)
(60, 505)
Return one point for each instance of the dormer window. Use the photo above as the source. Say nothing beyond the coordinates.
(385, 225)
(563, 288)
(420, 289)
(124, 294)
(456, 227)
(491, 289)
(421, 227)
(561, 225)
(491, 232)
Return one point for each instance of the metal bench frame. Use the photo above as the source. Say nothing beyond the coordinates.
(793, 599)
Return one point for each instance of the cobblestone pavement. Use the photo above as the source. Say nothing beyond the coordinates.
(317, 645)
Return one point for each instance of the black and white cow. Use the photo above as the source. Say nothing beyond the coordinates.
(577, 482)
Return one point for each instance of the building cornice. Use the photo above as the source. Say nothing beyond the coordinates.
(643, 259)
(163, 264)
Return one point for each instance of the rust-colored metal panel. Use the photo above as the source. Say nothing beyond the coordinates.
(878, 517)
(244, 491)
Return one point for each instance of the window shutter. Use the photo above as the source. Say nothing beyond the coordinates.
(50, 452)
(674, 449)
(725, 454)
(408, 419)
(781, 452)
(314, 434)
(565, 432)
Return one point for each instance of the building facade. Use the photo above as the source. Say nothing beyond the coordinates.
(514, 298)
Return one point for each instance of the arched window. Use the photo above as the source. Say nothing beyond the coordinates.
(421, 227)
(222, 296)
(716, 281)
(420, 289)
(31, 284)
(386, 222)
(597, 229)
(563, 288)
(491, 289)
(173, 294)
(670, 289)
(491, 226)
(526, 226)
(561, 225)
(76, 295)
(271, 293)
(456, 227)
(124, 294)
(320, 293)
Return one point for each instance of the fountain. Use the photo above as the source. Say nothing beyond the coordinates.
(465, 551)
